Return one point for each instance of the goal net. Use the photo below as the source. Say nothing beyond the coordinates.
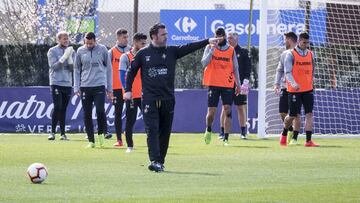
(334, 29)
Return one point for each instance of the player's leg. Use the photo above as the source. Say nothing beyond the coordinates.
(284, 109)
(296, 124)
(294, 104)
(227, 126)
(222, 123)
(213, 100)
(283, 104)
(99, 100)
(151, 122)
(308, 102)
(165, 125)
(56, 97)
(87, 99)
(240, 102)
(241, 110)
(107, 134)
(66, 95)
(129, 139)
(131, 113)
(118, 103)
(227, 100)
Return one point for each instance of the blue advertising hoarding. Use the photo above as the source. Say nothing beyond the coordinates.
(28, 110)
(185, 26)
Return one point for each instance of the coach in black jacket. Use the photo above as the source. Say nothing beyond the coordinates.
(157, 63)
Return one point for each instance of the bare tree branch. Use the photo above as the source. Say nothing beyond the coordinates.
(25, 21)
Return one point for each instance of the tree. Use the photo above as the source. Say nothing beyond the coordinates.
(27, 21)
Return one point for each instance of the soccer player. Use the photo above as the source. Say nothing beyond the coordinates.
(139, 41)
(240, 100)
(157, 63)
(115, 53)
(221, 65)
(60, 58)
(299, 70)
(92, 79)
(280, 89)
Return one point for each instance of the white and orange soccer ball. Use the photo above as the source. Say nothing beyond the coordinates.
(37, 172)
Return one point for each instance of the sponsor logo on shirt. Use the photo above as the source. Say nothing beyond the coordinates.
(302, 63)
(155, 71)
(219, 58)
(95, 64)
(146, 109)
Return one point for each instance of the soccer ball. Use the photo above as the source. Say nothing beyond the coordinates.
(37, 172)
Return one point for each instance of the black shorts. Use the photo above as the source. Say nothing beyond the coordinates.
(215, 92)
(283, 103)
(240, 99)
(296, 100)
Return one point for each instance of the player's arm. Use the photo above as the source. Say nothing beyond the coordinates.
(110, 54)
(54, 63)
(279, 74)
(313, 69)
(288, 66)
(77, 70)
(206, 58)
(239, 88)
(70, 60)
(131, 73)
(247, 63)
(236, 70)
(123, 66)
(108, 69)
(186, 49)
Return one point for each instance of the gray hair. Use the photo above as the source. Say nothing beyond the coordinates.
(61, 33)
(235, 34)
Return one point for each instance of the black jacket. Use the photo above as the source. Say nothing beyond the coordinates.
(244, 61)
(157, 66)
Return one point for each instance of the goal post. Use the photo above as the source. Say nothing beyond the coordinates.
(334, 29)
(262, 69)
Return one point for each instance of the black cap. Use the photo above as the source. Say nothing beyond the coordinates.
(220, 31)
(291, 35)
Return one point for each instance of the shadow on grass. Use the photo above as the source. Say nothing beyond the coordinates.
(77, 140)
(172, 153)
(255, 139)
(330, 146)
(113, 148)
(191, 173)
(252, 147)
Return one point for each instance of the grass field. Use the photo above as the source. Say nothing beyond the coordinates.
(247, 171)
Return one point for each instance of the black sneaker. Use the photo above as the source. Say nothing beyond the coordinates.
(63, 137)
(155, 166)
(51, 136)
(108, 135)
(243, 136)
(221, 136)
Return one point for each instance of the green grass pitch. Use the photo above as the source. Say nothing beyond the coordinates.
(246, 171)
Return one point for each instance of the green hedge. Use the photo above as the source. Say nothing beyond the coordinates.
(23, 65)
(28, 66)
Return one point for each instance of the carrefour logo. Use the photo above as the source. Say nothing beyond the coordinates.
(185, 24)
(192, 25)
